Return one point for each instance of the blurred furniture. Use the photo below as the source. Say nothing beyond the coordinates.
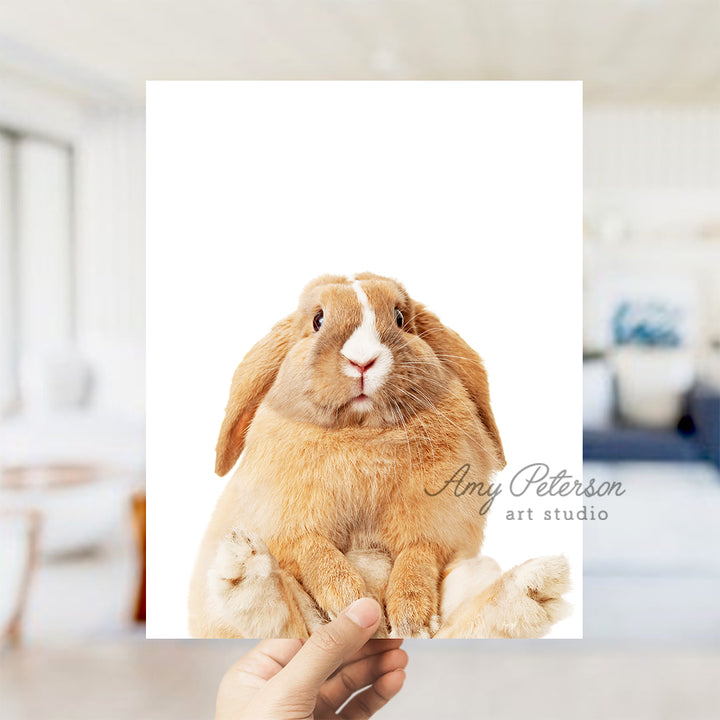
(80, 468)
(139, 525)
(19, 531)
(73, 437)
(652, 383)
(696, 438)
(654, 366)
(80, 504)
(77, 466)
(705, 409)
(94, 588)
(54, 381)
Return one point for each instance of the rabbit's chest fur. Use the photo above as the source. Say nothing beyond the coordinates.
(363, 487)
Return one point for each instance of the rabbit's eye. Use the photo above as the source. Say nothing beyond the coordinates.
(399, 319)
(318, 321)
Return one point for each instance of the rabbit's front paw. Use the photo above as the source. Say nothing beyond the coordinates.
(341, 587)
(412, 613)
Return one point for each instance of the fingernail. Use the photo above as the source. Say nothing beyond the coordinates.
(363, 612)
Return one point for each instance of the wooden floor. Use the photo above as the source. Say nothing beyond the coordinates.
(553, 680)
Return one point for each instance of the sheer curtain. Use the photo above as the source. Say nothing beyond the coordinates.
(8, 336)
(110, 163)
(37, 313)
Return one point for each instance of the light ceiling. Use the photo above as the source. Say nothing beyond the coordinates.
(624, 50)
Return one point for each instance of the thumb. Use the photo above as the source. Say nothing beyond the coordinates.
(329, 647)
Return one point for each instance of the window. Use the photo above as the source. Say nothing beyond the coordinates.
(37, 267)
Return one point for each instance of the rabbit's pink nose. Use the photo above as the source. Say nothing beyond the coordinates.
(362, 367)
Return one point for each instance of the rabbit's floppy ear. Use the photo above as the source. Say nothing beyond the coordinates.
(251, 381)
(457, 355)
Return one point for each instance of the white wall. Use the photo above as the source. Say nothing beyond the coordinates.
(654, 168)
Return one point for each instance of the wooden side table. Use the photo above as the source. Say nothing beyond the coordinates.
(139, 514)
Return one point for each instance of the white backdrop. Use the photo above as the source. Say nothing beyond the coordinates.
(469, 193)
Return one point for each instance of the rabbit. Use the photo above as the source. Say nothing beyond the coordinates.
(349, 418)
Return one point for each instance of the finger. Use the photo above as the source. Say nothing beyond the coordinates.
(263, 662)
(369, 701)
(281, 651)
(328, 648)
(355, 676)
(375, 647)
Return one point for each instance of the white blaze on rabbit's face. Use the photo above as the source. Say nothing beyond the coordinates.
(367, 356)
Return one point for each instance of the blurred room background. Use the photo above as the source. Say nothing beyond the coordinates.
(72, 339)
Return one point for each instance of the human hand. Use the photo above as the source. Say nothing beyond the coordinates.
(296, 680)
